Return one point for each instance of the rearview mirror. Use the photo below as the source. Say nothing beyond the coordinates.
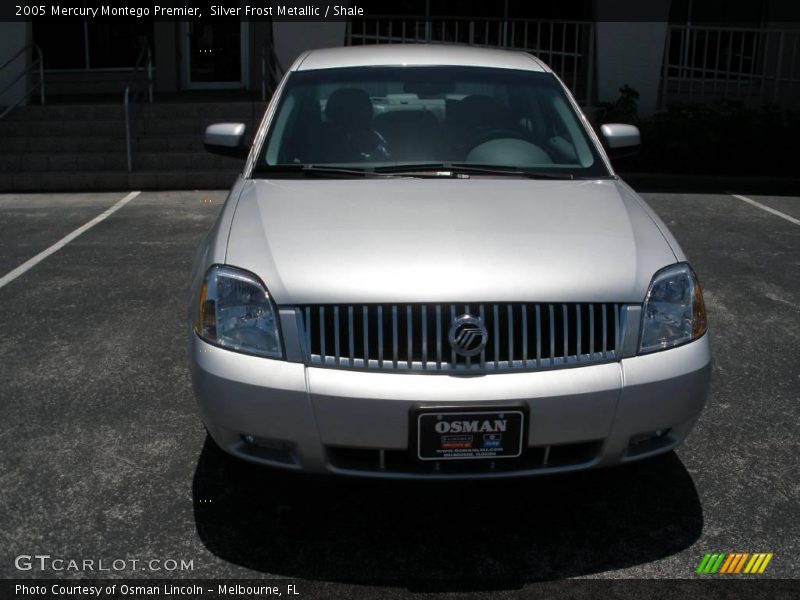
(226, 139)
(621, 139)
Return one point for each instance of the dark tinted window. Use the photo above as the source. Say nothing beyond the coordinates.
(373, 117)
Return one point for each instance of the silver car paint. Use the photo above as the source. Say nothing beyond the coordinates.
(310, 408)
(422, 240)
(321, 240)
(417, 55)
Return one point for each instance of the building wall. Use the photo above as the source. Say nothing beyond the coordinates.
(630, 53)
(294, 37)
(165, 42)
(13, 37)
(625, 53)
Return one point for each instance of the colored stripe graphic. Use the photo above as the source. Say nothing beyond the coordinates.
(718, 564)
(741, 562)
(732, 559)
(734, 563)
(711, 562)
(758, 563)
(765, 563)
(703, 563)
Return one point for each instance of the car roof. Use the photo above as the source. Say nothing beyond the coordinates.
(418, 55)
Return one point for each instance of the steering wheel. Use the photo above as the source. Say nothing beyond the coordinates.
(365, 145)
(486, 134)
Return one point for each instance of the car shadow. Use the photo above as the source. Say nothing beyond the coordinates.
(443, 536)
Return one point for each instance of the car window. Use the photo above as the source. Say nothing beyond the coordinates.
(376, 117)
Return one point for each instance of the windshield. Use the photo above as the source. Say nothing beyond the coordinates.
(388, 118)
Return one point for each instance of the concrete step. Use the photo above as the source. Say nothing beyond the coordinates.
(83, 147)
(167, 110)
(160, 143)
(55, 181)
(63, 161)
(66, 112)
(212, 110)
(170, 143)
(61, 128)
(221, 179)
(190, 161)
(153, 127)
(116, 180)
(62, 144)
(117, 161)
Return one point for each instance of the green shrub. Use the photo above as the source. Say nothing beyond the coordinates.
(623, 110)
(723, 138)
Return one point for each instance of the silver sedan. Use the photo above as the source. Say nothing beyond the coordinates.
(429, 269)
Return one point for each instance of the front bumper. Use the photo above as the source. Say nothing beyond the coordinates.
(288, 415)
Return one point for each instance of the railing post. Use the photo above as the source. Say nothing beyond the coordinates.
(764, 65)
(264, 72)
(665, 72)
(505, 24)
(686, 40)
(41, 75)
(779, 66)
(149, 76)
(590, 69)
(26, 75)
(128, 129)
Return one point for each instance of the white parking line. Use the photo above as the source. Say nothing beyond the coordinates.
(27, 265)
(777, 213)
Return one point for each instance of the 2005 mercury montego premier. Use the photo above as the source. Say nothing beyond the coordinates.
(429, 269)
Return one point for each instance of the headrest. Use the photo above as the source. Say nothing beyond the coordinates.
(479, 110)
(349, 106)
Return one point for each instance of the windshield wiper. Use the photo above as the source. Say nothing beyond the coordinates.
(433, 170)
(456, 169)
(313, 170)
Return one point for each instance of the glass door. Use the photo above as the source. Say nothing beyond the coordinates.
(215, 54)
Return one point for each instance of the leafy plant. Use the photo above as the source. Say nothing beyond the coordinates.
(727, 137)
(624, 110)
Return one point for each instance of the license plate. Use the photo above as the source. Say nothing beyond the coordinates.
(462, 435)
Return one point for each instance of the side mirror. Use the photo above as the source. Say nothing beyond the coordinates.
(621, 140)
(226, 139)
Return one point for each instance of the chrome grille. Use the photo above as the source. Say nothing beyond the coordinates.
(414, 337)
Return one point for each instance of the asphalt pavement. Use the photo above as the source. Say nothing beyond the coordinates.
(102, 454)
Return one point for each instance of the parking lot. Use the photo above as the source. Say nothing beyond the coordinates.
(102, 454)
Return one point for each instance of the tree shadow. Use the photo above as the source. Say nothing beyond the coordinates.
(443, 535)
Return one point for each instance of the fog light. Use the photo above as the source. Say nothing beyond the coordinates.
(651, 436)
(262, 442)
(275, 451)
(652, 441)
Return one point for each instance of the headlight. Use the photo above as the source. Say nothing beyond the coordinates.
(235, 312)
(674, 312)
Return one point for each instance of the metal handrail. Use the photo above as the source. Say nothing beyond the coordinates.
(28, 92)
(733, 29)
(420, 17)
(129, 98)
(567, 46)
(275, 69)
(730, 62)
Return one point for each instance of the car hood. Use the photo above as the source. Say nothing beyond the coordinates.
(450, 240)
